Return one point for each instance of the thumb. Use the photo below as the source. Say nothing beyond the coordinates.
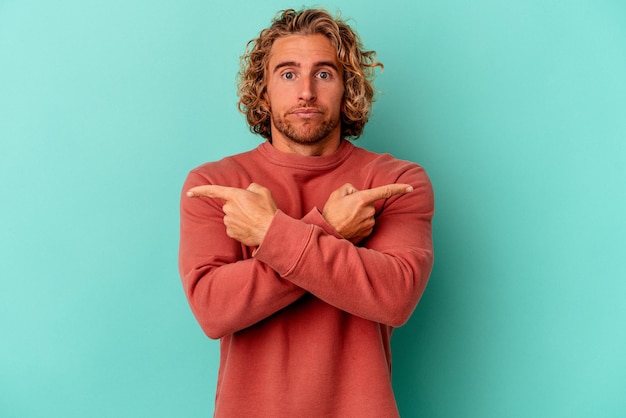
(256, 188)
(346, 189)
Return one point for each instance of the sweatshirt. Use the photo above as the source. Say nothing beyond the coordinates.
(305, 319)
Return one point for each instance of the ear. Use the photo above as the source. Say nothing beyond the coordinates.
(265, 102)
(342, 109)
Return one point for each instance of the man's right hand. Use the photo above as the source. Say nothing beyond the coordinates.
(247, 212)
(351, 211)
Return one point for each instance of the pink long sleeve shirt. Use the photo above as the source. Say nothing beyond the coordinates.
(305, 319)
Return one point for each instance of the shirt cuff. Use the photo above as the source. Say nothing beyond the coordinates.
(315, 217)
(284, 243)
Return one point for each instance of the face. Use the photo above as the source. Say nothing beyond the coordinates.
(304, 93)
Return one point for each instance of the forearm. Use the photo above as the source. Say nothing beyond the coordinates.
(382, 283)
(227, 290)
(230, 297)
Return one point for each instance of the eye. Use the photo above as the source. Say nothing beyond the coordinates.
(324, 75)
(289, 75)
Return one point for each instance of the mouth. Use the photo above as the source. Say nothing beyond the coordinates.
(306, 112)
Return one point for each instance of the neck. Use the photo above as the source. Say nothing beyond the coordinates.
(324, 147)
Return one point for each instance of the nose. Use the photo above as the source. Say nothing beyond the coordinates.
(307, 90)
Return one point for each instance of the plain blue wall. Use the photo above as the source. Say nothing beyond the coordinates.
(517, 110)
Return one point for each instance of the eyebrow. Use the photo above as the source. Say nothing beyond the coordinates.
(329, 64)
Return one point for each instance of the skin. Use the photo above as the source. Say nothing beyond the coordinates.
(305, 94)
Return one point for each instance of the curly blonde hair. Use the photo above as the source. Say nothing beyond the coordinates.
(358, 69)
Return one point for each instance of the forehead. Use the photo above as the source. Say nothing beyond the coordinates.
(303, 50)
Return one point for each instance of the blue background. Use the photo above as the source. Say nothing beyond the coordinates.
(517, 110)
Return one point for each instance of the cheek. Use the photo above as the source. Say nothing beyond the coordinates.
(340, 93)
(276, 96)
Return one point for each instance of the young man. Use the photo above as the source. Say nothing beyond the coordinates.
(303, 254)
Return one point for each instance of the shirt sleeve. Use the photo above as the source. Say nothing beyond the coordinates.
(380, 280)
(227, 289)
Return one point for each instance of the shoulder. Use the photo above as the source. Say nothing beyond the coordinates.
(378, 169)
(230, 161)
(388, 167)
(230, 170)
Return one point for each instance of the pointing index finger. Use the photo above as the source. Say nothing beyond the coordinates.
(385, 192)
(211, 190)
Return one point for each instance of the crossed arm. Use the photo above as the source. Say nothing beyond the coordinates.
(230, 288)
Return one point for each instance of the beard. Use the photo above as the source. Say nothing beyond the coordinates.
(308, 133)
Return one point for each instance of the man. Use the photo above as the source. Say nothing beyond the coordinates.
(303, 254)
